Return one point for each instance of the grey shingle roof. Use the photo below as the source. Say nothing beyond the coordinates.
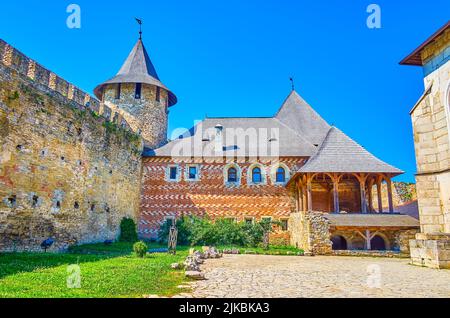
(138, 68)
(265, 137)
(339, 153)
(372, 220)
(300, 116)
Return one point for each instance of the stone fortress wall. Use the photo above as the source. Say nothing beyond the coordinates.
(431, 122)
(70, 168)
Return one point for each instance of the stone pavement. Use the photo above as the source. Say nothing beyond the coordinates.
(245, 276)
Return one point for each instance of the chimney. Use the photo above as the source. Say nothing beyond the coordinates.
(219, 139)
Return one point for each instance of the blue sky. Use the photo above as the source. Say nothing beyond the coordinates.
(235, 57)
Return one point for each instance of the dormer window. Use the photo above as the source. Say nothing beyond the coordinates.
(138, 91)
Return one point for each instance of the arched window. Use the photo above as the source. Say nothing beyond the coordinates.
(232, 175)
(256, 175)
(281, 175)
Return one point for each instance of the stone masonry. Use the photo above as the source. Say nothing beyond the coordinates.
(66, 171)
(431, 123)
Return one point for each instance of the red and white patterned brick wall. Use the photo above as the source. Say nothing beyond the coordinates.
(210, 196)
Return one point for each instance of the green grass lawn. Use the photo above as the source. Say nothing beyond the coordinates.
(106, 272)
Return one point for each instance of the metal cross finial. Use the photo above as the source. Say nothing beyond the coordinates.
(139, 21)
(292, 81)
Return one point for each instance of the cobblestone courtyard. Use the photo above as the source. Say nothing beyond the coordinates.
(244, 276)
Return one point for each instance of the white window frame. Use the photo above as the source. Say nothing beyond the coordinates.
(239, 175)
(252, 218)
(287, 224)
(169, 167)
(273, 174)
(186, 173)
(250, 174)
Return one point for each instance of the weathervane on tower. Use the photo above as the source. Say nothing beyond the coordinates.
(292, 82)
(139, 21)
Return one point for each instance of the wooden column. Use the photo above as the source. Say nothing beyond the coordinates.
(309, 191)
(368, 240)
(369, 189)
(380, 199)
(336, 194)
(391, 201)
(362, 186)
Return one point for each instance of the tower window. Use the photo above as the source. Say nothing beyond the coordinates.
(138, 91)
(158, 94)
(118, 90)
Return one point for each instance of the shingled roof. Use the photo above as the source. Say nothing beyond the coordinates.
(339, 153)
(266, 137)
(295, 131)
(138, 68)
(372, 220)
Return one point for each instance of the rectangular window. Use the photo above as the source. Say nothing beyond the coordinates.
(284, 225)
(138, 92)
(118, 90)
(192, 173)
(173, 173)
(249, 220)
(170, 220)
(230, 219)
(158, 94)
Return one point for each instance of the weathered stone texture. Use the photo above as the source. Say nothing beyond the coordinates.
(431, 135)
(146, 115)
(310, 231)
(65, 172)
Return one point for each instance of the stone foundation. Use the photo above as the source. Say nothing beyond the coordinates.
(310, 231)
(431, 250)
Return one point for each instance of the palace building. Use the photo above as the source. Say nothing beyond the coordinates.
(108, 158)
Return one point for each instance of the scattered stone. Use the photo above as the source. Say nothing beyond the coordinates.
(195, 275)
(310, 254)
(176, 266)
(232, 252)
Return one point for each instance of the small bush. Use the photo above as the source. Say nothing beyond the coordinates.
(202, 231)
(128, 232)
(140, 249)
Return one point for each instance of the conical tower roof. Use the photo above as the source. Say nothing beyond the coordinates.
(138, 68)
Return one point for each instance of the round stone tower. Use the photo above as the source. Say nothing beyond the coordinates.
(138, 95)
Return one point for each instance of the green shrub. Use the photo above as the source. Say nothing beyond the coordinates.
(128, 232)
(140, 249)
(196, 231)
